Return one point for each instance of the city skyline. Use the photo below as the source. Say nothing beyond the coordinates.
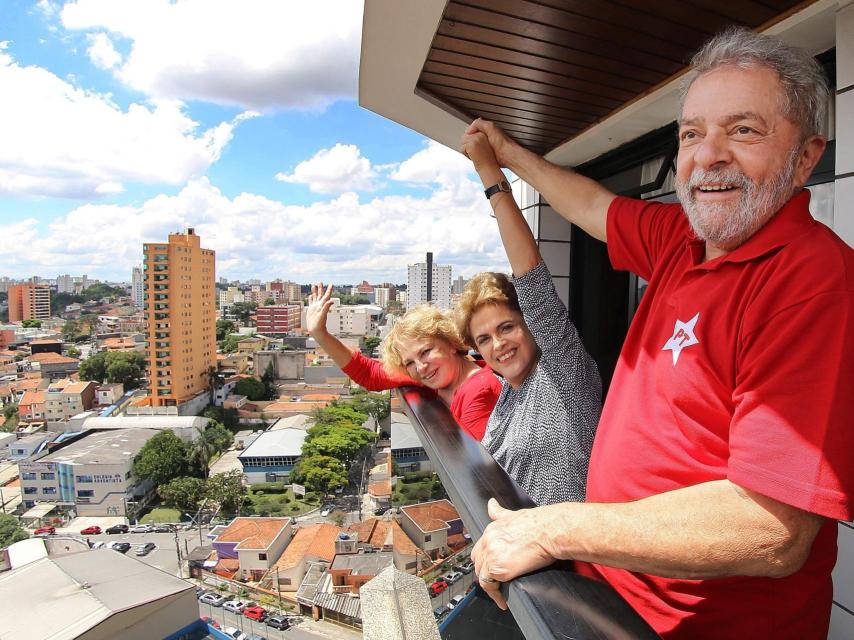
(125, 124)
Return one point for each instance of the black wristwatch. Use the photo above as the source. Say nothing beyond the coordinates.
(502, 185)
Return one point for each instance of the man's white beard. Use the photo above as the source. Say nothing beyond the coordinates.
(727, 225)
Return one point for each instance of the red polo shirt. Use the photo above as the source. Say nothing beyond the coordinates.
(741, 367)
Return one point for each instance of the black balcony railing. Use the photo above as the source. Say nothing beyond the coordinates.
(554, 602)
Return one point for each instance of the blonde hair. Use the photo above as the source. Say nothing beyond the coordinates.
(423, 321)
(487, 287)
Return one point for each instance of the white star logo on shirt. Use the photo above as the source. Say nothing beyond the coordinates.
(683, 336)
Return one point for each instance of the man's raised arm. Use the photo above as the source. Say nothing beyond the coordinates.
(580, 200)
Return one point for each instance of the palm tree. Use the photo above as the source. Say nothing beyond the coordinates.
(214, 381)
(202, 450)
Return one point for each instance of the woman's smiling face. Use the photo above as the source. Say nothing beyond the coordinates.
(503, 339)
(431, 361)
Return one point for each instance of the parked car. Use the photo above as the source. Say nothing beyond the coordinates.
(163, 528)
(438, 587)
(326, 511)
(145, 548)
(117, 528)
(214, 599)
(452, 576)
(438, 612)
(255, 613)
(380, 511)
(94, 530)
(121, 547)
(99, 544)
(235, 606)
(255, 636)
(142, 528)
(211, 622)
(234, 632)
(45, 531)
(454, 602)
(200, 592)
(278, 622)
(465, 567)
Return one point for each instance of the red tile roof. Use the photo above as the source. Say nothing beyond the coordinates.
(51, 358)
(317, 540)
(431, 516)
(253, 533)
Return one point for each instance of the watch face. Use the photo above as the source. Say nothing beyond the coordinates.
(504, 185)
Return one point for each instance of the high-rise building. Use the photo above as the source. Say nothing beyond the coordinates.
(29, 301)
(180, 313)
(64, 284)
(459, 286)
(137, 287)
(381, 296)
(428, 282)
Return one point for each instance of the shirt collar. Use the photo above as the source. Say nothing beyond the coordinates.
(787, 224)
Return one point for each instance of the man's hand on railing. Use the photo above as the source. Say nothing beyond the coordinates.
(513, 544)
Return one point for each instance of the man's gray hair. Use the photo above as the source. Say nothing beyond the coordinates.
(805, 89)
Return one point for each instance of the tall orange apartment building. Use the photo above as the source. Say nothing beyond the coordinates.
(29, 301)
(180, 313)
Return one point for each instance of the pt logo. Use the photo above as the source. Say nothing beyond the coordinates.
(683, 336)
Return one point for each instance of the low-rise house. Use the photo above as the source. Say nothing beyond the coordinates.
(314, 543)
(31, 406)
(349, 571)
(380, 482)
(256, 543)
(66, 398)
(109, 393)
(435, 527)
(52, 365)
(272, 455)
(385, 534)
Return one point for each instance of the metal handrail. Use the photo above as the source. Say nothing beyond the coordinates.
(554, 602)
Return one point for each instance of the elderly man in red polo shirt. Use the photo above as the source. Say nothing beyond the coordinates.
(725, 451)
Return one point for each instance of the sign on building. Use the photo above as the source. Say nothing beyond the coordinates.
(298, 489)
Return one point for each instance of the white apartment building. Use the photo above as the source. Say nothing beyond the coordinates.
(92, 476)
(137, 288)
(428, 282)
(352, 320)
(381, 296)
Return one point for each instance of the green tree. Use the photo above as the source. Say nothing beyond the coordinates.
(72, 352)
(342, 442)
(223, 328)
(127, 367)
(10, 413)
(252, 388)
(269, 302)
(31, 324)
(161, 459)
(226, 417)
(229, 345)
(320, 473)
(376, 405)
(243, 310)
(372, 342)
(10, 531)
(201, 451)
(213, 380)
(227, 490)
(71, 330)
(337, 413)
(218, 435)
(185, 493)
(271, 389)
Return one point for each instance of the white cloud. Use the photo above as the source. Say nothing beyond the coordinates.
(336, 170)
(435, 164)
(343, 239)
(59, 140)
(253, 53)
(101, 51)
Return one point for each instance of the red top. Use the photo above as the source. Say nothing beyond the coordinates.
(738, 368)
(473, 400)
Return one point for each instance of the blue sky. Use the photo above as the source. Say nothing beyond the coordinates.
(123, 120)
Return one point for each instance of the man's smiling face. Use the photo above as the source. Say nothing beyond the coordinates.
(739, 156)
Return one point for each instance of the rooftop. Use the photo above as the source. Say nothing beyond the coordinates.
(403, 435)
(431, 516)
(51, 358)
(77, 387)
(282, 442)
(77, 592)
(253, 533)
(366, 564)
(317, 541)
(293, 422)
(103, 447)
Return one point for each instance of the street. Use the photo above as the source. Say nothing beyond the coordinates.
(305, 630)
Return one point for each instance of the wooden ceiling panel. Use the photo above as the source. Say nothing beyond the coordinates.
(548, 69)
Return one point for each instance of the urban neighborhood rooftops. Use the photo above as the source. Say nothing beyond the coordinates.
(317, 541)
(403, 434)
